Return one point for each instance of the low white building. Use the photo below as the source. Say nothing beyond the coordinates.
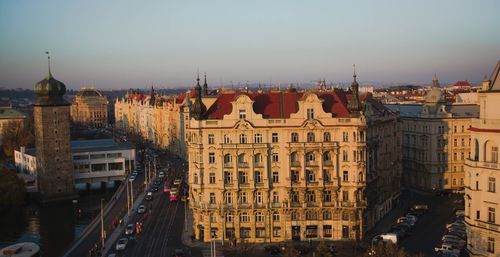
(99, 160)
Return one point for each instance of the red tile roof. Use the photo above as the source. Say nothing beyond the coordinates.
(462, 84)
(275, 105)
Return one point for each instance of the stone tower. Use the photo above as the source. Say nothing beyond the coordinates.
(52, 141)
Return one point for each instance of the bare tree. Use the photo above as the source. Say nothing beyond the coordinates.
(16, 134)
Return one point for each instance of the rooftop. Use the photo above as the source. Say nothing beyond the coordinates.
(457, 110)
(11, 113)
(95, 145)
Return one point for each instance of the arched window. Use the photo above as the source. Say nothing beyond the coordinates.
(259, 217)
(276, 216)
(360, 177)
(294, 216)
(294, 157)
(244, 217)
(327, 215)
(257, 158)
(310, 137)
(241, 158)
(243, 139)
(295, 137)
(326, 156)
(310, 156)
(228, 158)
(476, 150)
(490, 152)
(327, 137)
(311, 215)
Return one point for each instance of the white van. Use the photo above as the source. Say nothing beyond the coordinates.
(388, 238)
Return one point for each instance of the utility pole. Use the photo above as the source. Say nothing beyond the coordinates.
(102, 223)
(128, 199)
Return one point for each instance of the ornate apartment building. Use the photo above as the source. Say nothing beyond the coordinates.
(282, 165)
(90, 108)
(482, 172)
(436, 141)
(158, 119)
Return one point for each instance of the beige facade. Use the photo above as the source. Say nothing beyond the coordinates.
(158, 119)
(8, 115)
(90, 108)
(287, 165)
(482, 197)
(436, 141)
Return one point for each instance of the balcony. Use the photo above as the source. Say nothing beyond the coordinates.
(474, 164)
(259, 205)
(259, 165)
(311, 163)
(295, 204)
(295, 164)
(328, 204)
(327, 163)
(312, 204)
(312, 183)
(243, 165)
(488, 225)
(347, 204)
(228, 165)
(246, 184)
(361, 203)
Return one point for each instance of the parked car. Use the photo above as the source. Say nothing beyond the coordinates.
(388, 237)
(161, 174)
(447, 248)
(130, 229)
(179, 253)
(154, 189)
(412, 218)
(121, 244)
(177, 181)
(131, 178)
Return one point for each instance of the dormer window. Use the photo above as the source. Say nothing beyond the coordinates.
(310, 114)
(243, 114)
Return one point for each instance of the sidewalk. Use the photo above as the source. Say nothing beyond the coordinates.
(111, 239)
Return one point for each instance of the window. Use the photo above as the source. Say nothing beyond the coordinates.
(276, 197)
(243, 114)
(478, 215)
(210, 139)
(295, 176)
(212, 178)
(228, 177)
(276, 177)
(326, 156)
(276, 216)
(310, 196)
(229, 218)
(294, 157)
(212, 198)
(327, 231)
(275, 137)
(491, 184)
(257, 158)
(310, 137)
(491, 215)
(310, 157)
(345, 156)
(310, 114)
(258, 197)
(260, 232)
(295, 137)
(311, 215)
(327, 137)
(327, 196)
(276, 231)
(454, 181)
(327, 215)
(275, 157)
(346, 175)
(455, 142)
(491, 244)
(494, 154)
(243, 139)
(195, 178)
(228, 198)
(345, 136)
(227, 139)
(211, 157)
(295, 197)
(345, 195)
(243, 197)
(258, 176)
(257, 138)
(241, 158)
(244, 232)
(259, 217)
(294, 216)
(243, 177)
(228, 158)
(345, 216)
(244, 217)
(213, 218)
(310, 175)
(327, 176)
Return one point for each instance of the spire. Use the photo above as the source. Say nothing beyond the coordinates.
(205, 86)
(435, 81)
(198, 109)
(354, 105)
(48, 61)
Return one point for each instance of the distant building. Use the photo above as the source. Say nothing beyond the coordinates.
(52, 140)
(90, 108)
(7, 115)
(436, 141)
(286, 165)
(98, 160)
(482, 174)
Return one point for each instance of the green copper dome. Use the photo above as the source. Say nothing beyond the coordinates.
(50, 91)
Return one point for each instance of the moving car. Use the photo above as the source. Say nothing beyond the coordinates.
(161, 174)
(121, 244)
(388, 237)
(130, 229)
(141, 209)
(149, 196)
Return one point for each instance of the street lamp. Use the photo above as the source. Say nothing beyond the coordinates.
(102, 223)
(372, 251)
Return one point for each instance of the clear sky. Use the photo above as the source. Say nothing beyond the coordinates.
(123, 44)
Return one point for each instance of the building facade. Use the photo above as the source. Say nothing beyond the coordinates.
(482, 170)
(9, 115)
(52, 141)
(436, 141)
(98, 160)
(287, 165)
(90, 108)
(156, 118)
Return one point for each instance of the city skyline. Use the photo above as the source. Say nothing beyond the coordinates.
(165, 43)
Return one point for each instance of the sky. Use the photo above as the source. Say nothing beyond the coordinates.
(124, 44)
